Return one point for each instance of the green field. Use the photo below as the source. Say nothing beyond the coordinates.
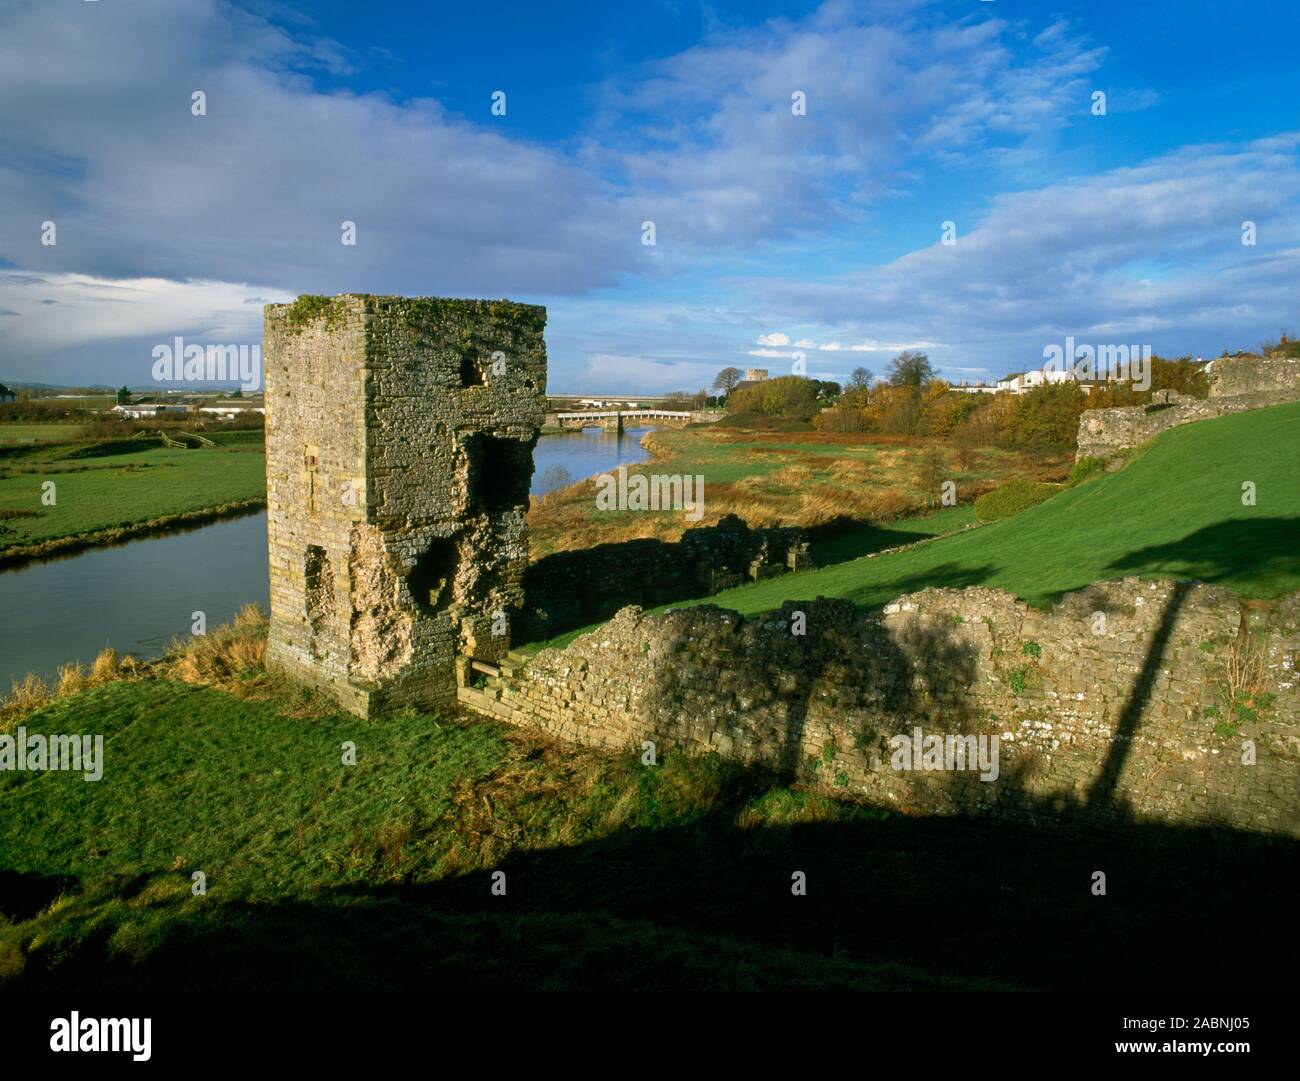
(320, 875)
(37, 433)
(294, 845)
(1175, 511)
(97, 491)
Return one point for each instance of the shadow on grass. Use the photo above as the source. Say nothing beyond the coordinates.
(24, 893)
(892, 903)
(1237, 547)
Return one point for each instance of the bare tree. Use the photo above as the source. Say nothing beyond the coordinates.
(727, 380)
(911, 368)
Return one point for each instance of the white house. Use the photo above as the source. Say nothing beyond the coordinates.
(1024, 382)
(144, 410)
(229, 412)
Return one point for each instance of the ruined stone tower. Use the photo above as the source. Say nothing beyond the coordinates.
(399, 454)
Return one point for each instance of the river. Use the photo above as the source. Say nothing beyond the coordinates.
(137, 596)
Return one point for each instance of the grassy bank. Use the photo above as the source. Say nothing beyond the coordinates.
(1175, 511)
(37, 433)
(110, 491)
(801, 478)
(379, 874)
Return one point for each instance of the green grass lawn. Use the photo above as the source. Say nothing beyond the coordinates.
(295, 846)
(37, 433)
(1175, 511)
(321, 875)
(833, 547)
(105, 491)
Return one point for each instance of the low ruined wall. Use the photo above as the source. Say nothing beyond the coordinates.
(575, 589)
(1236, 385)
(1112, 705)
(1275, 377)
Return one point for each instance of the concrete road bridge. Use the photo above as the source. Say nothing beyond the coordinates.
(615, 419)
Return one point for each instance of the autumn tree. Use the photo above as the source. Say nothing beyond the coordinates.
(1047, 417)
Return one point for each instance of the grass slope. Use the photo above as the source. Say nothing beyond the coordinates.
(378, 875)
(97, 492)
(305, 858)
(1175, 511)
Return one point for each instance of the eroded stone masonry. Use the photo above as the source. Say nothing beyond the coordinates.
(1237, 384)
(399, 442)
(1115, 704)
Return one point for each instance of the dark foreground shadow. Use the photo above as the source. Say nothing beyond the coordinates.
(24, 893)
(891, 903)
(573, 589)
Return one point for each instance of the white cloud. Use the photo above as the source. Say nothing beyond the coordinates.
(872, 346)
(95, 107)
(773, 339)
(1153, 250)
(103, 331)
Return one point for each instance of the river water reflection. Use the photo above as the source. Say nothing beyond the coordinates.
(137, 596)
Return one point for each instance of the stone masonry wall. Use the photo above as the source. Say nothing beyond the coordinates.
(1275, 377)
(399, 436)
(1236, 385)
(1103, 719)
(573, 589)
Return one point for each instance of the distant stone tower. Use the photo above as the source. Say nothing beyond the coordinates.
(399, 454)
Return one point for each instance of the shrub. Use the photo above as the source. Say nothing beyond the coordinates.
(785, 396)
(1046, 417)
(1010, 499)
(1084, 469)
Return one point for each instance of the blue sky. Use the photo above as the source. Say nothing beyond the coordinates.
(778, 236)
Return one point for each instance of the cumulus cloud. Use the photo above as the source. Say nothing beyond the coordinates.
(96, 113)
(104, 331)
(163, 215)
(1153, 249)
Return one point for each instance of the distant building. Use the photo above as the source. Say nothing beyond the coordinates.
(975, 388)
(230, 412)
(1024, 382)
(7, 395)
(145, 410)
(753, 376)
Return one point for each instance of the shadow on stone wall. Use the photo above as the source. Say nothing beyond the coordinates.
(1102, 791)
(839, 665)
(572, 589)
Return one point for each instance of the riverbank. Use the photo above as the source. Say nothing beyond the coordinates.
(61, 498)
(813, 480)
(162, 526)
(620, 876)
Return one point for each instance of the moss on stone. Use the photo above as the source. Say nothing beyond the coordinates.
(309, 309)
